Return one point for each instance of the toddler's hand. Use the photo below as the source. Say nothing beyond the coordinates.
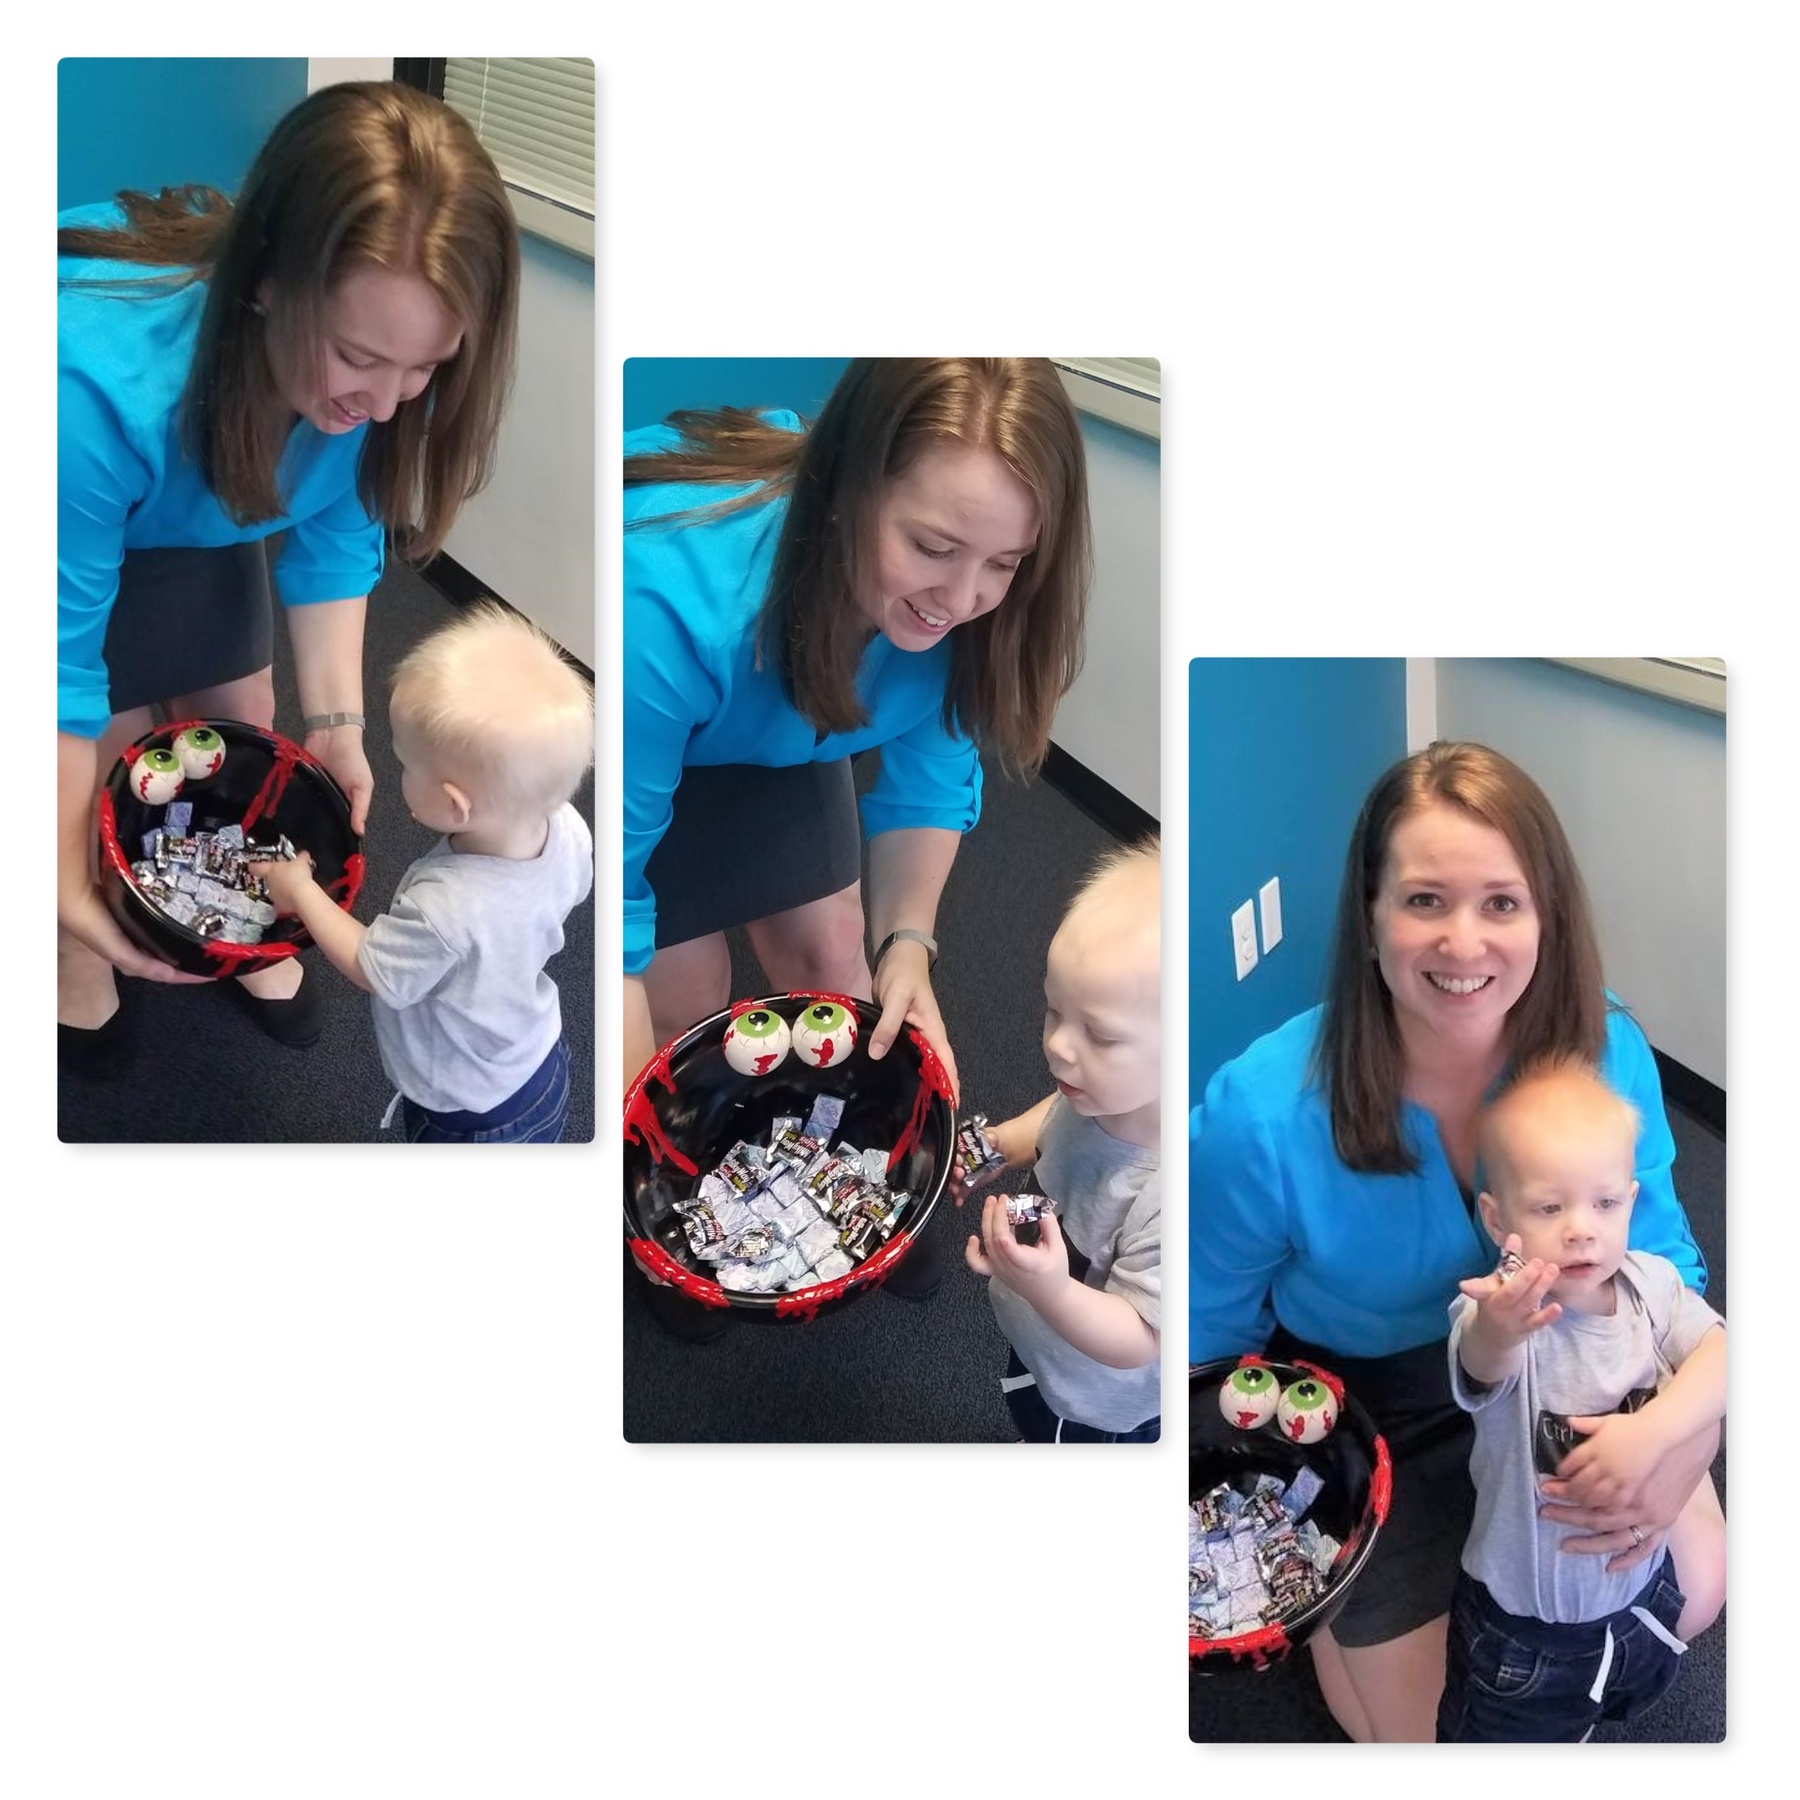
(1512, 1306)
(1032, 1271)
(286, 881)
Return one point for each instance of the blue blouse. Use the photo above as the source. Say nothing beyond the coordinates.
(694, 696)
(1279, 1228)
(124, 482)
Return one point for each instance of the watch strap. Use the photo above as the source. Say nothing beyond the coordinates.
(911, 936)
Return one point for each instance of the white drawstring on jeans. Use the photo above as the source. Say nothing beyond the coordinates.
(1657, 1628)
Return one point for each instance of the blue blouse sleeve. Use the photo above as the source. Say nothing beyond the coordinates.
(335, 552)
(929, 776)
(98, 479)
(669, 689)
(1237, 1227)
(1658, 1223)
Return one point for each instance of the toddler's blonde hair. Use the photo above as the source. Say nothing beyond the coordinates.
(1569, 1087)
(499, 707)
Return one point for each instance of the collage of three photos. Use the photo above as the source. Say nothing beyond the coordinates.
(891, 1015)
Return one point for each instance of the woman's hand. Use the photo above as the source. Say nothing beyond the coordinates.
(903, 992)
(1629, 1525)
(340, 749)
(84, 916)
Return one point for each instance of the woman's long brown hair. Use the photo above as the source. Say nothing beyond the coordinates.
(363, 172)
(1359, 1057)
(1011, 666)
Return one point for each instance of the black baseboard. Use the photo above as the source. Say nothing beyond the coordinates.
(1693, 1093)
(455, 582)
(461, 588)
(1100, 800)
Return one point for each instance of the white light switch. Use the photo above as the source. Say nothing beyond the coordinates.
(1270, 894)
(1243, 938)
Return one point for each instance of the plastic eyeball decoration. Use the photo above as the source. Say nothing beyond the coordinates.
(201, 750)
(824, 1034)
(1249, 1396)
(756, 1041)
(156, 777)
(1308, 1410)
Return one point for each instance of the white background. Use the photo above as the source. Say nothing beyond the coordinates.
(1477, 332)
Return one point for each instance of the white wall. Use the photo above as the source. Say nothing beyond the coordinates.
(1639, 784)
(529, 537)
(327, 71)
(1111, 720)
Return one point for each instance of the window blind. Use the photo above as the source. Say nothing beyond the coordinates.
(535, 115)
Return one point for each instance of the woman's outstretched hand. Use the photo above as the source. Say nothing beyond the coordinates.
(903, 992)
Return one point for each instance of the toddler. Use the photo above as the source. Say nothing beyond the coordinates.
(1082, 1305)
(493, 731)
(1543, 1645)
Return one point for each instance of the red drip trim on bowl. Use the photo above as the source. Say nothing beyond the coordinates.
(642, 1126)
(1267, 1645)
(932, 1079)
(1381, 1484)
(281, 771)
(355, 868)
(655, 1260)
(109, 836)
(805, 1302)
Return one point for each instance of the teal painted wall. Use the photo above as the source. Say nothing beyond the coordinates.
(656, 386)
(1282, 752)
(161, 121)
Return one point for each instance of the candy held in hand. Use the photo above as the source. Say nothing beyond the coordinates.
(1307, 1411)
(157, 776)
(756, 1041)
(824, 1034)
(1249, 1396)
(1027, 1209)
(1511, 1262)
(201, 752)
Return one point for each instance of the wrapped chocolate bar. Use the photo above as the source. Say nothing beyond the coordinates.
(1027, 1209)
(977, 1160)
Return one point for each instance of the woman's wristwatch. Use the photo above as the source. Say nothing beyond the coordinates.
(911, 936)
(325, 721)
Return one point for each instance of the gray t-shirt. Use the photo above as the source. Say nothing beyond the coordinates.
(464, 1012)
(1108, 1198)
(1582, 1364)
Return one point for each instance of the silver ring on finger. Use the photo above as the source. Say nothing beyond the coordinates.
(1637, 1536)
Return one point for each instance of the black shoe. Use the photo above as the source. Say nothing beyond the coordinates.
(686, 1319)
(102, 1054)
(297, 1021)
(920, 1271)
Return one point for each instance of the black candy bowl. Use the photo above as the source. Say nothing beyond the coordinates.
(688, 1106)
(268, 785)
(1351, 1460)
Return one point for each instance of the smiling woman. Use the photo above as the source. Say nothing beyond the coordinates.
(326, 357)
(908, 572)
(1334, 1187)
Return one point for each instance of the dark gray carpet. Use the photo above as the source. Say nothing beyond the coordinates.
(254, 1090)
(882, 1368)
(1283, 1705)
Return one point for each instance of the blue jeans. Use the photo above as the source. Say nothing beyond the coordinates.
(1039, 1425)
(535, 1114)
(1520, 1681)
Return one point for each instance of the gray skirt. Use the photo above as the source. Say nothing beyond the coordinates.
(186, 620)
(748, 842)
